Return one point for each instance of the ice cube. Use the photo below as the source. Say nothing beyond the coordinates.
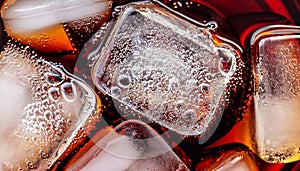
(157, 65)
(132, 146)
(234, 161)
(39, 103)
(23, 16)
(54, 26)
(277, 96)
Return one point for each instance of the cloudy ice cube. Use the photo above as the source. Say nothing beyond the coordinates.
(277, 99)
(14, 97)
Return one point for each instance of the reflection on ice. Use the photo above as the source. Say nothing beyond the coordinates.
(34, 121)
(234, 161)
(132, 146)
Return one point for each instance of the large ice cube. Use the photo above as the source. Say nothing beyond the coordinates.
(39, 103)
(132, 146)
(160, 66)
(277, 96)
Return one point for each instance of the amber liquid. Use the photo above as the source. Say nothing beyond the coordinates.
(236, 21)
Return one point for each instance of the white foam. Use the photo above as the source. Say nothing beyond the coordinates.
(26, 16)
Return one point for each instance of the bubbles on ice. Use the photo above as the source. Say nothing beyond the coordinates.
(39, 102)
(131, 146)
(150, 64)
(277, 97)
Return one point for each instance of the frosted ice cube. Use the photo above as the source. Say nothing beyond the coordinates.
(277, 96)
(39, 103)
(14, 97)
(132, 146)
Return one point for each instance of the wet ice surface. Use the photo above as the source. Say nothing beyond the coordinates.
(277, 99)
(39, 103)
(132, 146)
(170, 72)
(234, 161)
(25, 16)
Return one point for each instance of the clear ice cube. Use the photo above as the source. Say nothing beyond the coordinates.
(234, 161)
(155, 64)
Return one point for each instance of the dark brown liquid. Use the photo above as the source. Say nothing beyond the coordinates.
(236, 21)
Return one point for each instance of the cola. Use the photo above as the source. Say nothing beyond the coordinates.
(245, 25)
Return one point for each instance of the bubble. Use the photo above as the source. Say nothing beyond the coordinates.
(189, 116)
(205, 88)
(54, 78)
(54, 94)
(179, 106)
(68, 91)
(173, 84)
(45, 103)
(164, 106)
(48, 115)
(209, 77)
(226, 62)
(124, 81)
(60, 105)
(52, 107)
(43, 125)
(116, 91)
